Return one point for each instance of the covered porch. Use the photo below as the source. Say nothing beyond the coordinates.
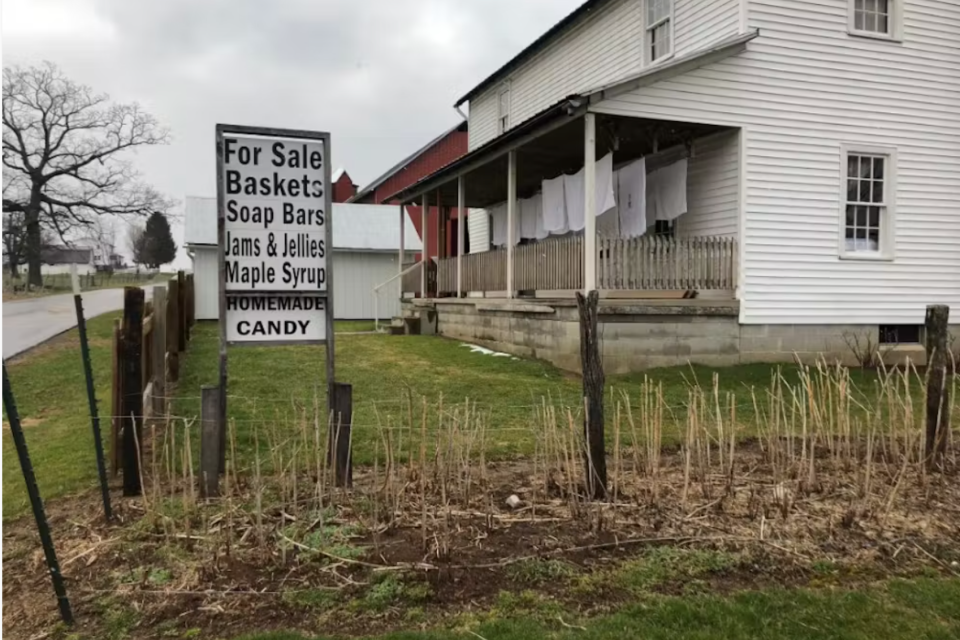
(695, 254)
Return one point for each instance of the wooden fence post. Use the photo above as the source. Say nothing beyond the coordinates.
(938, 383)
(181, 312)
(159, 350)
(116, 398)
(595, 462)
(132, 413)
(173, 329)
(210, 445)
(340, 427)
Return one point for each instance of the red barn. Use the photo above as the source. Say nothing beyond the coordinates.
(343, 187)
(437, 154)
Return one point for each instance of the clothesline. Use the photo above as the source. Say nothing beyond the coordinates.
(628, 202)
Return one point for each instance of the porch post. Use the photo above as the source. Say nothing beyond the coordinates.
(424, 252)
(461, 221)
(402, 252)
(590, 204)
(511, 215)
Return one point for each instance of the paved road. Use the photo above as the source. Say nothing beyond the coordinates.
(27, 323)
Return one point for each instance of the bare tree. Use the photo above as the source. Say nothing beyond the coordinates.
(15, 238)
(63, 148)
(101, 236)
(137, 243)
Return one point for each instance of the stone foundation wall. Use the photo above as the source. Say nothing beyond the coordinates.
(637, 336)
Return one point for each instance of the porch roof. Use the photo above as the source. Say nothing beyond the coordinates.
(551, 142)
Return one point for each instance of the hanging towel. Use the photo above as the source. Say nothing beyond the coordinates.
(608, 224)
(531, 216)
(632, 190)
(498, 220)
(671, 191)
(603, 187)
(574, 198)
(554, 206)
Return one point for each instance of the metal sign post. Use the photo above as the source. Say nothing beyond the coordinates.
(275, 239)
(91, 392)
(16, 430)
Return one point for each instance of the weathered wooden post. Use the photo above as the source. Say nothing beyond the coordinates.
(181, 312)
(159, 349)
(210, 444)
(595, 461)
(132, 414)
(938, 383)
(173, 329)
(341, 408)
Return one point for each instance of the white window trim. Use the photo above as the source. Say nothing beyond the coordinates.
(895, 18)
(648, 31)
(888, 220)
(504, 88)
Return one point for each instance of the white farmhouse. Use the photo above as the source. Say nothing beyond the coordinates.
(787, 170)
(366, 253)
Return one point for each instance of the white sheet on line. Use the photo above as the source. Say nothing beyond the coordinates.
(671, 191)
(554, 206)
(606, 199)
(531, 216)
(498, 222)
(574, 198)
(632, 198)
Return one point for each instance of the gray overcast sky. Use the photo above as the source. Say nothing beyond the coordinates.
(380, 75)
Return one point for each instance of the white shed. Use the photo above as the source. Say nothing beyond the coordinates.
(366, 247)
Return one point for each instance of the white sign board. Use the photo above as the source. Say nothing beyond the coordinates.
(276, 318)
(275, 214)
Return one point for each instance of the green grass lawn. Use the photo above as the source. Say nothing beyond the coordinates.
(899, 609)
(61, 283)
(49, 388)
(387, 372)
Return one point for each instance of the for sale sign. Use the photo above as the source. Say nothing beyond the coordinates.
(275, 235)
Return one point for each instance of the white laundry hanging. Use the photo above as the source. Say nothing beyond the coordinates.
(671, 191)
(606, 199)
(531, 216)
(574, 198)
(498, 221)
(554, 206)
(632, 189)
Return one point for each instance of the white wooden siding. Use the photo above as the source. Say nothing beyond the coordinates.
(606, 45)
(206, 287)
(478, 228)
(713, 187)
(700, 23)
(803, 88)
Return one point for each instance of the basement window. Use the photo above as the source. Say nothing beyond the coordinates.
(901, 334)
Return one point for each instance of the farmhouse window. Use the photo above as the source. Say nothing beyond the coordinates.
(875, 18)
(659, 27)
(867, 203)
(504, 109)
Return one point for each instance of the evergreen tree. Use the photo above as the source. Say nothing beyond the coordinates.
(159, 247)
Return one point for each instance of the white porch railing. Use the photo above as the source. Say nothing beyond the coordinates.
(556, 264)
(413, 268)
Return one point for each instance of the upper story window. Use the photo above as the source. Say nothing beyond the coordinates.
(875, 18)
(868, 203)
(504, 109)
(659, 31)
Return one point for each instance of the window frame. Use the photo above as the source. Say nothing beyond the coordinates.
(648, 29)
(504, 89)
(894, 22)
(886, 249)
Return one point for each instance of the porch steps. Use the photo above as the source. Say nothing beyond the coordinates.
(405, 326)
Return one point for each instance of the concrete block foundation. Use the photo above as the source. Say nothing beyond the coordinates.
(640, 335)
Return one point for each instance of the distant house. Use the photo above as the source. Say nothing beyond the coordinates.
(435, 155)
(57, 259)
(343, 187)
(366, 252)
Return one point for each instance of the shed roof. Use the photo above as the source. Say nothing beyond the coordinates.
(56, 254)
(356, 227)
